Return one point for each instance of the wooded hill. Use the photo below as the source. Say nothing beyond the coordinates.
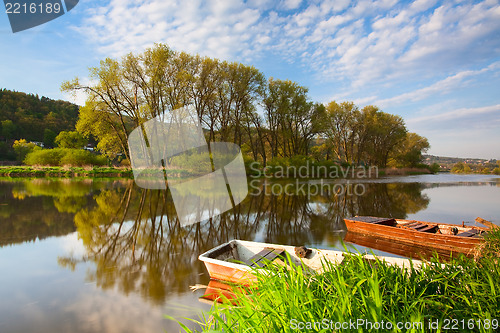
(27, 116)
(32, 116)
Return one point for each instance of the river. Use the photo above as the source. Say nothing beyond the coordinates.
(106, 256)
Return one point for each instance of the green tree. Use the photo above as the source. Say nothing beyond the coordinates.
(8, 129)
(341, 131)
(49, 137)
(23, 148)
(291, 118)
(367, 136)
(70, 139)
(386, 132)
(461, 167)
(408, 153)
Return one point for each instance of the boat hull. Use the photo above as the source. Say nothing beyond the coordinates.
(235, 271)
(433, 241)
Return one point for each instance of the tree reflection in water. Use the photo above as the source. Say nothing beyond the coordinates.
(139, 246)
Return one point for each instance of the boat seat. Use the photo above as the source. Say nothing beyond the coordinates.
(418, 226)
(374, 220)
(264, 257)
(470, 233)
(430, 229)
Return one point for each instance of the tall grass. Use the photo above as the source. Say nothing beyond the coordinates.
(438, 297)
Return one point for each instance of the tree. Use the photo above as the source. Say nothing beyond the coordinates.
(8, 129)
(386, 131)
(291, 118)
(70, 139)
(140, 87)
(367, 136)
(23, 148)
(49, 137)
(408, 153)
(341, 130)
(461, 167)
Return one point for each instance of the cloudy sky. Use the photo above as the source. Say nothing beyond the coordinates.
(435, 63)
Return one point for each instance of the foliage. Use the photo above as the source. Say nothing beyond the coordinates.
(408, 153)
(30, 115)
(291, 118)
(366, 136)
(461, 167)
(126, 93)
(434, 168)
(49, 137)
(64, 156)
(23, 148)
(491, 247)
(7, 152)
(8, 129)
(28, 171)
(70, 139)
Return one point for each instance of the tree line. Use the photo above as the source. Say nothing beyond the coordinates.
(33, 118)
(268, 118)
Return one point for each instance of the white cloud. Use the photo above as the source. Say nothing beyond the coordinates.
(441, 87)
(368, 43)
(291, 4)
(486, 116)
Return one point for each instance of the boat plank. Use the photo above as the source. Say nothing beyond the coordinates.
(411, 232)
(263, 258)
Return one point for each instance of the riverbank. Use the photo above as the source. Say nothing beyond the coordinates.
(65, 172)
(15, 171)
(404, 171)
(360, 296)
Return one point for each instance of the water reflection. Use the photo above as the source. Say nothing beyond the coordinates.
(139, 245)
(40, 208)
(135, 246)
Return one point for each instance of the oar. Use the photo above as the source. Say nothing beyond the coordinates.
(486, 223)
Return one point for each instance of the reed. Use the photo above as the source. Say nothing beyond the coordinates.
(461, 294)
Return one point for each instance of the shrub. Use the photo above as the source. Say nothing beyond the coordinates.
(23, 148)
(64, 156)
(45, 157)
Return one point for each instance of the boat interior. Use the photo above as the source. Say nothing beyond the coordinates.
(428, 227)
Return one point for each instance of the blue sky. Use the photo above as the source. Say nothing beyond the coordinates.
(435, 63)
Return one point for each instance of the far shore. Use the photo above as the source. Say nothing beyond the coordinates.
(64, 172)
(23, 171)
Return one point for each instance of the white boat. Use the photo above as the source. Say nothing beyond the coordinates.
(235, 261)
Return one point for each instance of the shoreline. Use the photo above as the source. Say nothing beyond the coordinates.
(64, 172)
(23, 171)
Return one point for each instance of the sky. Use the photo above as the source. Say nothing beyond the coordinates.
(434, 63)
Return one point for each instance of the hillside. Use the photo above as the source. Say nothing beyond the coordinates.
(32, 115)
(447, 163)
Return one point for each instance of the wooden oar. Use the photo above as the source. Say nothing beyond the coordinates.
(486, 223)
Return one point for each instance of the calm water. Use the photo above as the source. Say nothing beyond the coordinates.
(106, 256)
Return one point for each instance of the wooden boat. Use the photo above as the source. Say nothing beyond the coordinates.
(235, 261)
(434, 236)
(413, 251)
(221, 292)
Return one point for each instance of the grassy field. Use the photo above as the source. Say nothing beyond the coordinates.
(356, 296)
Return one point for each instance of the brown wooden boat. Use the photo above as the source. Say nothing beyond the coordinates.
(413, 251)
(433, 236)
(221, 292)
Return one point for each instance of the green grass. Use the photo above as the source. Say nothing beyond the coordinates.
(51, 171)
(435, 297)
